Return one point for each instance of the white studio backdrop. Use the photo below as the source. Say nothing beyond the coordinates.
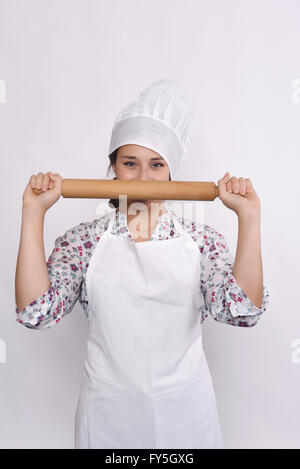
(67, 67)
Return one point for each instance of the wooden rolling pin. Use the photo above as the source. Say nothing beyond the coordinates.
(137, 190)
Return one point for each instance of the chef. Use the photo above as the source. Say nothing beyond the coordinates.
(146, 381)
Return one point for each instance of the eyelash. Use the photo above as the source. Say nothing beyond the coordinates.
(125, 164)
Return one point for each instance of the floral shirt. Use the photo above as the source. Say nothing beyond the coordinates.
(67, 265)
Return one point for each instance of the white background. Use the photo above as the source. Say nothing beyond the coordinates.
(69, 67)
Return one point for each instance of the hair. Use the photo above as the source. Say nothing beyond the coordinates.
(113, 160)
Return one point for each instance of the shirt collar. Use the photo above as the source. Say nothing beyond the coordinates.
(121, 227)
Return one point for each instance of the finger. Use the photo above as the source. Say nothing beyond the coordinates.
(39, 179)
(229, 186)
(225, 178)
(32, 181)
(51, 184)
(45, 182)
(54, 177)
(249, 185)
(222, 184)
(53, 180)
(235, 185)
(242, 184)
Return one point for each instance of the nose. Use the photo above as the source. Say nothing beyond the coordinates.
(144, 175)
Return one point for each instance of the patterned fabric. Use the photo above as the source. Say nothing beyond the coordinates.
(69, 261)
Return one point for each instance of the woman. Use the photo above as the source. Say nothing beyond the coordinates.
(146, 284)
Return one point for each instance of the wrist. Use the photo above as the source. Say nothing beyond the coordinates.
(250, 217)
(29, 210)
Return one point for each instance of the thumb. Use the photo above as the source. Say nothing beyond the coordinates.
(54, 180)
(225, 178)
(52, 176)
(222, 182)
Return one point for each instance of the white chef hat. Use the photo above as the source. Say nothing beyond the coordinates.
(159, 118)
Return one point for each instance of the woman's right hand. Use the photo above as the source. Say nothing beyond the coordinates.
(52, 190)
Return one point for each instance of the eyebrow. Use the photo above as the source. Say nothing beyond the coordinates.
(134, 158)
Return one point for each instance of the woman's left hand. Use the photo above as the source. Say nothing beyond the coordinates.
(238, 194)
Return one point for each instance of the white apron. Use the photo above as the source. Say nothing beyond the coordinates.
(146, 381)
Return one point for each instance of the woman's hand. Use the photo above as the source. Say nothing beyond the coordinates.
(50, 183)
(239, 195)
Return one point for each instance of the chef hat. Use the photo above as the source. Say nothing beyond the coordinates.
(159, 118)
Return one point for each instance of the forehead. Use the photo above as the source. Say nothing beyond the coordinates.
(138, 151)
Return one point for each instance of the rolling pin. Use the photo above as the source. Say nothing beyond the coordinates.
(137, 190)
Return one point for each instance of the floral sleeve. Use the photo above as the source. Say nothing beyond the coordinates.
(224, 299)
(65, 274)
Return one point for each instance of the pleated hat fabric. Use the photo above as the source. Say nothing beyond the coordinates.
(159, 118)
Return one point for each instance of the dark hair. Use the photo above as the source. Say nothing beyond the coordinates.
(113, 159)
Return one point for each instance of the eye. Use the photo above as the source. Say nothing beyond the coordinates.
(131, 162)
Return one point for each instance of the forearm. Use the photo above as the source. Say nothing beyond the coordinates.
(32, 278)
(247, 269)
